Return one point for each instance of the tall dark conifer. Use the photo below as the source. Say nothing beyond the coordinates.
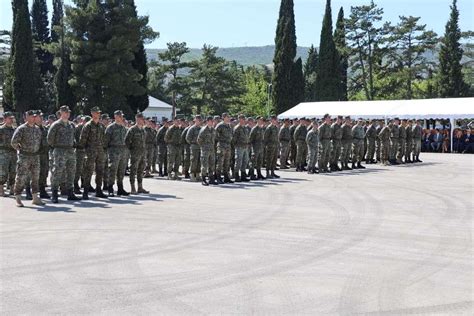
(285, 53)
(58, 13)
(297, 83)
(310, 75)
(340, 42)
(451, 82)
(329, 72)
(40, 32)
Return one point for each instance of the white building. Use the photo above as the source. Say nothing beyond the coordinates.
(158, 109)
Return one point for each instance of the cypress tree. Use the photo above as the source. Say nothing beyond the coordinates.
(21, 90)
(310, 75)
(40, 32)
(340, 42)
(58, 13)
(451, 82)
(328, 72)
(297, 83)
(285, 53)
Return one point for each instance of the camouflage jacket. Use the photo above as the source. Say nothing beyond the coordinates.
(92, 135)
(173, 136)
(27, 139)
(115, 135)
(241, 136)
(6, 135)
(61, 134)
(135, 139)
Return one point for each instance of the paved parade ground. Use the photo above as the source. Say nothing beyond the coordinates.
(385, 240)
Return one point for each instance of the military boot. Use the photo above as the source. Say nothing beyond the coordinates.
(243, 177)
(212, 180)
(71, 196)
(77, 189)
(275, 176)
(186, 175)
(29, 197)
(99, 193)
(110, 191)
(219, 179)
(204, 181)
(55, 197)
(260, 175)
(165, 171)
(132, 188)
(253, 177)
(85, 194)
(141, 189)
(227, 178)
(43, 193)
(160, 171)
(18, 201)
(268, 175)
(192, 177)
(2, 191)
(354, 166)
(91, 189)
(121, 191)
(237, 177)
(359, 165)
(37, 200)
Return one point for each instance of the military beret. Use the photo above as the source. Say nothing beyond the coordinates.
(139, 115)
(96, 109)
(8, 114)
(31, 113)
(118, 112)
(64, 108)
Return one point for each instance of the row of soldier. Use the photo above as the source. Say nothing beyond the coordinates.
(212, 151)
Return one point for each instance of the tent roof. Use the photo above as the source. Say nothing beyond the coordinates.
(155, 103)
(456, 108)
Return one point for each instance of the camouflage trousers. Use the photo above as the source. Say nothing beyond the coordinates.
(370, 149)
(241, 158)
(401, 149)
(155, 155)
(195, 159)
(336, 150)
(64, 168)
(27, 168)
(393, 148)
(137, 166)
(150, 152)
(117, 164)
(162, 156)
(95, 160)
(271, 155)
(408, 148)
(208, 159)
(106, 168)
(300, 153)
(223, 159)
(385, 151)
(378, 147)
(325, 154)
(346, 151)
(80, 157)
(256, 158)
(357, 150)
(44, 169)
(174, 157)
(293, 152)
(8, 160)
(416, 147)
(186, 158)
(313, 153)
(284, 153)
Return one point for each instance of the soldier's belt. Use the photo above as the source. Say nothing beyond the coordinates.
(24, 153)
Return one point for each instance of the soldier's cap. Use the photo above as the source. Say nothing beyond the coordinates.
(64, 108)
(8, 114)
(139, 115)
(217, 117)
(250, 119)
(164, 119)
(241, 117)
(259, 118)
(225, 115)
(340, 117)
(348, 117)
(153, 121)
(51, 117)
(209, 118)
(104, 116)
(96, 109)
(182, 119)
(31, 113)
(273, 117)
(315, 121)
(326, 116)
(87, 118)
(197, 117)
(360, 119)
(39, 113)
(303, 119)
(176, 118)
(396, 119)
(286, 120)
(118, 112)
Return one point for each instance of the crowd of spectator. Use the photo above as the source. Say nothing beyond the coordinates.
(438, 140)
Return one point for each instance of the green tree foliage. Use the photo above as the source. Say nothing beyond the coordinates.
(328, 71)
(40, 31)
(255, 101)
(58, 13)
(310, 75)
(297, 83)
(343, 53)
(451, 83)
(366, 37)
(172, 66)
(285, 53)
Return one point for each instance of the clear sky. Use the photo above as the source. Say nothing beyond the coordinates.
(233, 23)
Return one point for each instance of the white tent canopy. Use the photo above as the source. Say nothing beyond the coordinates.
(454, 108)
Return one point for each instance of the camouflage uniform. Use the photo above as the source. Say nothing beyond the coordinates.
(162, 150)
(312, 141)
(27, 141)
(8, 157)
(191, 139)
(384, 137)
(358, 135)
(187, 152)
(409, 143)
(346, 145)
(173, 141)
(336, 137)
(117, 152)
(394, 134)
(299, 138)
(224, 135)
(135, 142)
(256, 141)
(325, 140)
(293, 150)
(150, 136)
(284, 137)
(417, 136)
(92, 140)
(80, 157)
(402, 138)
(44, 159)
(206, 139)
(241, 142)
(61, 139)
(378, 144)
(270, 139)
(371, 135)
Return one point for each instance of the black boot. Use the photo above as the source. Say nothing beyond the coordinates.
(243, 177)
(28, 193)
(91, 189)
(85, 194)
(165, 172)
(121, 191)
(204, 181)
(354, 166)
(77, 189)
(268, 175)
(55, 197)
(160, 171)
(227, 179)
(274, 176)
(43, 193)
(99, 193)
(62, 190)
(110, 191)
(260, 175)
(212, 180)
(237, 177)
(219, 179)
(72, 197)
(186, 175)
(359, 165)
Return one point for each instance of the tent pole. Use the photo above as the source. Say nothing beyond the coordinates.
(452, 121)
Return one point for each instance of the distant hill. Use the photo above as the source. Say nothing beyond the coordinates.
(247, 56)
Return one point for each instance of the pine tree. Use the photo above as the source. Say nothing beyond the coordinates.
(58, 13)
(21, 91)
(451, 82)
(40, 31)
(297, 83)
(310, 75)
(329, 71)
(285, 53)
(340, 42)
